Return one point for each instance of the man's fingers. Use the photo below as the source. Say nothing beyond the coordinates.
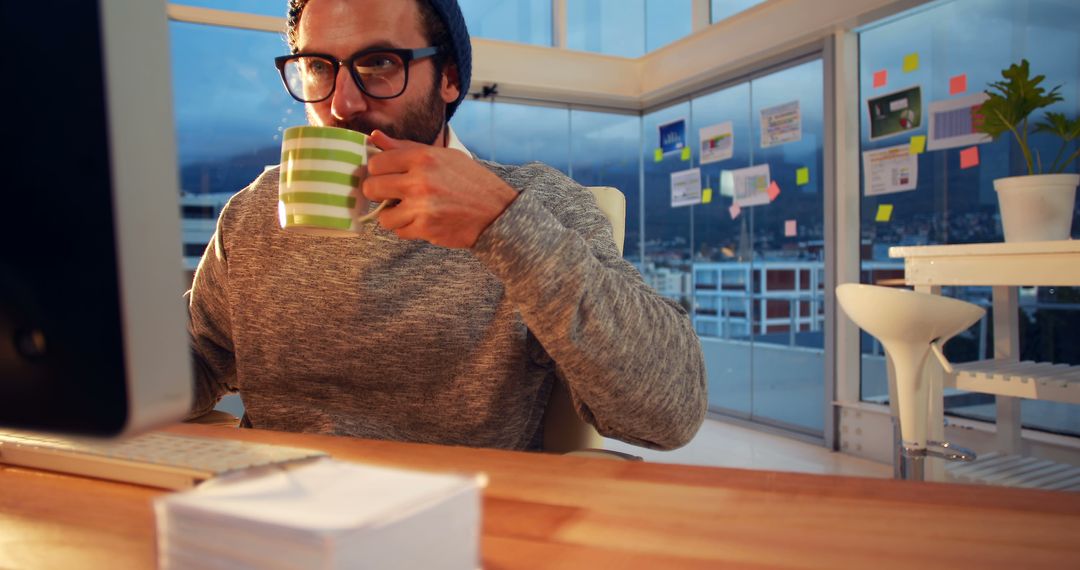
(384, 187)
(387, 142)
(397, 155)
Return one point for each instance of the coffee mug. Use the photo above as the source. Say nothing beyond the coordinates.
(319, 184)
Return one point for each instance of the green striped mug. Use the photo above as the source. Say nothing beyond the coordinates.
(319, 184)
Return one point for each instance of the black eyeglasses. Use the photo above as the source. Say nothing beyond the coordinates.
(381, 73)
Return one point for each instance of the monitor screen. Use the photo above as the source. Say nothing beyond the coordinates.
(92, 322)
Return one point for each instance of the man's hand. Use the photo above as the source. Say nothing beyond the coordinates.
(447, 198)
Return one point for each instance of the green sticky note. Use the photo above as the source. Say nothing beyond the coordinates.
(802, 176)
(686, 153)
(658, 155)
(911, 62)
(706, 195)
(884, 213)
(918, 144)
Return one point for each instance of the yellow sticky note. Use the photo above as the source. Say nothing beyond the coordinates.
(802, 176)
(706, 195)
(884, 213)
(686, 153)
(911, 62)
(658, 155)
(918, 144)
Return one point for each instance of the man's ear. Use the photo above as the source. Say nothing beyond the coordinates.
(450, 87)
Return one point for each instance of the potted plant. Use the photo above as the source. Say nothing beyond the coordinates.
(1038, 206)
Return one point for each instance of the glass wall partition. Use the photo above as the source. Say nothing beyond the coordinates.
(789, 249)
(604, 149)
(668, 235)
(722, 9)
(613, 27)
(230, 109)
(753, 247)
(524, 21)
(920, 69)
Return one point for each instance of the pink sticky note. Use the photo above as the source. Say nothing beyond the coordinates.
(791, 228)
(734, 210)
(880, 78)
(969, 157)
(958, 84)
(774, 190)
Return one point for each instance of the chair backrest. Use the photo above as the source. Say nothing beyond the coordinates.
(564, 431)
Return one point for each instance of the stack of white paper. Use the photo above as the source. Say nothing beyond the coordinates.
(326, 514)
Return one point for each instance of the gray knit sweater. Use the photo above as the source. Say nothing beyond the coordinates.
(384, 338)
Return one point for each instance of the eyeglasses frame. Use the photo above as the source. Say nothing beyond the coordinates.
(407, 57)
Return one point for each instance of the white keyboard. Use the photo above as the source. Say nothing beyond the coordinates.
(155, 459)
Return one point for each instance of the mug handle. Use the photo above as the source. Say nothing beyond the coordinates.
(370, 216)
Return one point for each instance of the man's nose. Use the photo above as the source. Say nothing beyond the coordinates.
(347, 99)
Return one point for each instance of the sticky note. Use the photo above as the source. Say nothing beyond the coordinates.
(969, 157)
(881, 78)
(773, 191)
(911, 62)
(706, 195)
(802, 176)
(791, 228)
(884, 213)
(686, 153)
(734, 210)
(958, 84)
(658, 155)
(918, 144)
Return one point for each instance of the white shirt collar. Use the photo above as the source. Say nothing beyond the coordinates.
(454, 142)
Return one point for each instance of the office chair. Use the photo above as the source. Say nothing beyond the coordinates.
(564, 430)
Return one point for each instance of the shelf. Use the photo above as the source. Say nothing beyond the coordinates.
(1016, 471)
(1032, 380)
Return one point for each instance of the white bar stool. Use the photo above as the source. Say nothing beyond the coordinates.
(910, 325)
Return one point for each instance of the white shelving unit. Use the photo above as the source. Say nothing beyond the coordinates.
(1004, 267)
(1027, 379)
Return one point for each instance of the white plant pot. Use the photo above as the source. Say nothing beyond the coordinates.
(1037, 207)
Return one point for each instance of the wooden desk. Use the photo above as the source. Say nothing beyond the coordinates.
(543, 511)
(1003, 266)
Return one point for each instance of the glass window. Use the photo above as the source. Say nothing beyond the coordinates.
(230, 105)
(472, 124)
(722, 9)
(260, 7)
(666, 261)
(788, 234)
(757, 293)
(604, 152)
(524, 21)
(723, 258)
(666, 21)
(530, 133)
(951, 204)
(613, 27)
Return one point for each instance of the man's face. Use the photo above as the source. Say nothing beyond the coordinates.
(343, 27)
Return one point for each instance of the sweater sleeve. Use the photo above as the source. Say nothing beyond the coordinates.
(209, 326)
(629, 356)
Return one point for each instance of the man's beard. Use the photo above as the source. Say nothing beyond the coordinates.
(421, 123)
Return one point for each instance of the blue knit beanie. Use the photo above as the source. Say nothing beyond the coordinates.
(450, 13)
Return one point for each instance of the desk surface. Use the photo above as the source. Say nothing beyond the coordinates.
(543, 511)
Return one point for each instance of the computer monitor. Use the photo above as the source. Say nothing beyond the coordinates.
(92, 321)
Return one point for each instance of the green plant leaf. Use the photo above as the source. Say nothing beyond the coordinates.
(1014, 99)
(1060, 125)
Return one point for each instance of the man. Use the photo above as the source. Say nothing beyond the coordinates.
(450, 320)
